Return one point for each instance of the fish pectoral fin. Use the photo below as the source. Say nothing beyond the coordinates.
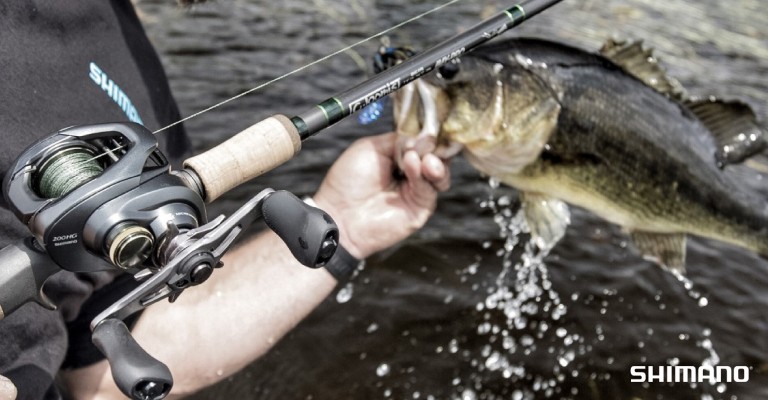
(640, 62)
(665, 249)
(734, 127)
(547, 218)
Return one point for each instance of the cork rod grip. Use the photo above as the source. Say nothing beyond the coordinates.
(252, 152)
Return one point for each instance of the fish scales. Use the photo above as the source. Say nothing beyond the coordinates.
(640, 149)
(608, 142)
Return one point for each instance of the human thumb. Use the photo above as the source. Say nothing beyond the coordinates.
(7, 390)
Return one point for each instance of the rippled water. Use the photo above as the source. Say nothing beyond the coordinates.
(467, 309)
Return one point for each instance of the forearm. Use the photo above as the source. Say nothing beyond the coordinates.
(217, 328)
(236, 316)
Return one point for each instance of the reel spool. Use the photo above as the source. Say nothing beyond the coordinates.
(97, 197)
(65, 170)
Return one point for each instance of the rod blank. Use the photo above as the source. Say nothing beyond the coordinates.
(277, 139)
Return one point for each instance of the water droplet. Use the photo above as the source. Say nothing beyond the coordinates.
(453, 346)
(382, 370)
(494, 361)
(472, 268)
(561, 332)
(703, 302)
(372, 328)
(345, 293)
(566, 358)
(721, 388)
(468, 394)
(526, 340)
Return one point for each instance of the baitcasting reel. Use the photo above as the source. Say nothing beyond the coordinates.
(103, 197)
(100, 196)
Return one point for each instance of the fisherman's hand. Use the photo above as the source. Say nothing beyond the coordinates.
(7, 390)
(373, 209)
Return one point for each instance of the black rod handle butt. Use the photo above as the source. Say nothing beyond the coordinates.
(24, 268)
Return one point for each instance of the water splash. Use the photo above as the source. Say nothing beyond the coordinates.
(521, 315)
(689, 288)
(713, 358)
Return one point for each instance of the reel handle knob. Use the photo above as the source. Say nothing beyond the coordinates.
(309, 232)
(137, 374)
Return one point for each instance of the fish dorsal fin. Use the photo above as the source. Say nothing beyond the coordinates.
(734, 126)
(640, 62)
(665, 249)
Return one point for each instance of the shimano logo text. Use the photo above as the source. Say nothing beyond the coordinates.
(688, 374)
(100, 78)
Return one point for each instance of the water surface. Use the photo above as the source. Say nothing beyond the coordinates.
(458, 311)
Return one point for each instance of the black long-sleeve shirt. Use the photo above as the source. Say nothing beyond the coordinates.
(62, 64)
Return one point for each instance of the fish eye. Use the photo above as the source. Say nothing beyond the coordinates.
(449, 70)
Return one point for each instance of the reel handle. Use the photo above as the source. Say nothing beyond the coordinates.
(23, 272)
(309, 232)
(252, 152)
(137, 374)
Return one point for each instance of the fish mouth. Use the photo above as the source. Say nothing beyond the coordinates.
(420, 108)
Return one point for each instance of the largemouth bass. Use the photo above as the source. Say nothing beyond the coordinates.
(608, 132)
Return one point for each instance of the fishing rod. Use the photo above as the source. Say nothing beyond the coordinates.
(104, 197)
(275, 140)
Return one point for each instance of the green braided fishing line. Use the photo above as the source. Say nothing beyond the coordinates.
(66, 171)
